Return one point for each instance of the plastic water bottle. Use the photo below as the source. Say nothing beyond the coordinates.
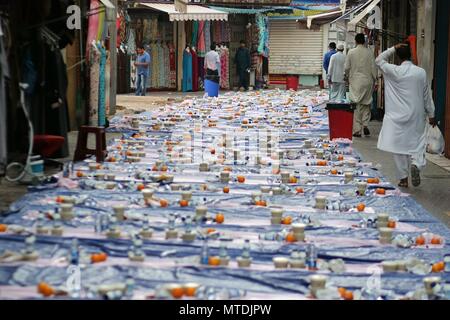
(246, 249)
(129, 291)
(204, 257)
(223, 252)
(74, 252)
(188, 224)
(104, 222)
(311, 256)
(171, 222)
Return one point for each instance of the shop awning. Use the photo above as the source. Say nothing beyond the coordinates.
(328, 16)
(194, 12)
(372, 4)
(241, 10)
(107, 4)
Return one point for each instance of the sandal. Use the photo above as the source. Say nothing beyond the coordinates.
(403, 183)
(415, 174)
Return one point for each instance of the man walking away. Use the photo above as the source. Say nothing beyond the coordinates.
(142, 65)
(242, 60)
(336, 75)
(327, 57)
(408, 104)
(212, 64)
(362, 73)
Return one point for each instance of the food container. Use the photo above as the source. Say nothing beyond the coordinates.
(281, 262)
(317, 282)
(119, 212)
(321, 202)
(385, 235)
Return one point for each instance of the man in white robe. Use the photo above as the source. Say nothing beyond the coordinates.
(362, 73)
(336, 75)
(408, 103)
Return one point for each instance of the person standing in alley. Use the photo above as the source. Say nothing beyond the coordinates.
(212, 64)
(142, 69)
(336, 76)
(408, 103)
(327, 57)
(361, 72)
(243, 63)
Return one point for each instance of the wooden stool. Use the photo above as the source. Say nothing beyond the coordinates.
(82, 151)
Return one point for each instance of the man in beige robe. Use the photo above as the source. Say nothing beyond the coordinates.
(361, 71)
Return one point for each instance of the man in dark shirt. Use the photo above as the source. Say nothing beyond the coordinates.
(242, 60)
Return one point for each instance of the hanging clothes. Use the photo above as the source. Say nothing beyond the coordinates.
(201, 49)
(225, 70)
(93, 26)
(188, 30)
(194, 70)
(187, 71)
(131, 43)
(139, 33)
(166, 55)
(101, 89)
(162, 68)
(147, 25)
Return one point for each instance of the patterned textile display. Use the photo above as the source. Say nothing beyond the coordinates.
(173, 66)
(216, 32)
(101, 24)
(187, 71)
(201, 48)
(194, 70)
(166, 55)
(207, 34)
(201, 72)
(225, 68)
(154, 70)
(131, 43)
(226, 31)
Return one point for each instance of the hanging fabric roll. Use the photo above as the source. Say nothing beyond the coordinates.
(146, 30)
(94, 76)
(194, 34)
(201, 49)
(101, 89)
(194, 70)
(107, 82)
(187, 70)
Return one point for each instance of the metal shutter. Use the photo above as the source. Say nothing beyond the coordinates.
(294, 50)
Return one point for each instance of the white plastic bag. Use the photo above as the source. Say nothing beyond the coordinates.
(435, 140)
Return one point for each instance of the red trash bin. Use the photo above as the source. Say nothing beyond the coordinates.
(292, 83)
(340, 120)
